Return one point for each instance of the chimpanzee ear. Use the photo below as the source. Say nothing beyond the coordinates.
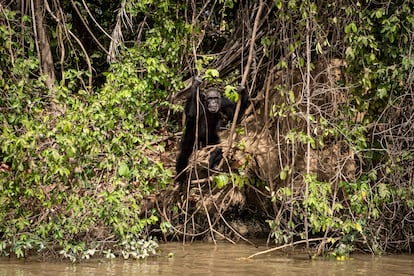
(202, 96)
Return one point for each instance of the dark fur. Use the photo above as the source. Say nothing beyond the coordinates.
(208, 125)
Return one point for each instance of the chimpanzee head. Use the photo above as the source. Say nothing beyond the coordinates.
(212, 99)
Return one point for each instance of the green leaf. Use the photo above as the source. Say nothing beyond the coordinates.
(123, 169)
(379, 13)
(292, 96)
(213, 73)
(231, 93)
(358, 227)
(282, 64)
(351, 27)
(383, 191)
(349, 52)
(382, 92)
(283, 175)
(292, 5)
(279, 4)
(354, 27)
(220, 180)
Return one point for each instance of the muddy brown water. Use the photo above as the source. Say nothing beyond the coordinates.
(222, 259)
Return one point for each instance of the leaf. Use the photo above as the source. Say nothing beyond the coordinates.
(123, 169)
(349, 52)
(231, 93)
(213, 73)
(358, 227)
(283, 175)
(379, 13)
(351, 27)
(279, 4)
(292, 5)
(318, 48)
(220, 180)
(282, 64)
(291, 96)
(381, 92)
(383, 191)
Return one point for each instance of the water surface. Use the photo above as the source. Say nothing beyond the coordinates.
(222, 259)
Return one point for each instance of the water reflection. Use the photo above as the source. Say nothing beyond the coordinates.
(223, 259)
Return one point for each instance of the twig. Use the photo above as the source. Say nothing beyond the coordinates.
(212, 230)
(94, 20)
(88, 61)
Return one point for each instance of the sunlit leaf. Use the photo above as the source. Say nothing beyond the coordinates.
(123, 169)
(220, 180)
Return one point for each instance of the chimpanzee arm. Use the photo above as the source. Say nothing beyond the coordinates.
(188, 138)
(244, 99)
(191, 105)
(228, 108)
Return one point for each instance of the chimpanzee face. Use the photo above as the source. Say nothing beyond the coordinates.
(212, 100)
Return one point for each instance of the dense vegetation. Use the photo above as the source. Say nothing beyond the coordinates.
(90, 111)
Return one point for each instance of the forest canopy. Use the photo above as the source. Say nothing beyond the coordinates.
(91, 96)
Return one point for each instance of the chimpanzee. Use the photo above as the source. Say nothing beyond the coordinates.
(212, 109)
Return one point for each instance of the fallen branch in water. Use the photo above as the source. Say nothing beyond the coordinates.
(284, 246)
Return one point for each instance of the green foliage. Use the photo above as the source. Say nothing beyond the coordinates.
(284, 173)
(239, 180)
(321, 212)
(228, 3)
(211, 75)
(378, 53)
(78, 163)
(278, 233)
(342, 251)
(231, 93)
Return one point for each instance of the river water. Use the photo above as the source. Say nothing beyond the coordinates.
(220, 259)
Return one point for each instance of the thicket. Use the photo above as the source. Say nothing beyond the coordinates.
(77, 160)
(89, 115)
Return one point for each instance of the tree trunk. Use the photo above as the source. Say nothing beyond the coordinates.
(42, 40)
